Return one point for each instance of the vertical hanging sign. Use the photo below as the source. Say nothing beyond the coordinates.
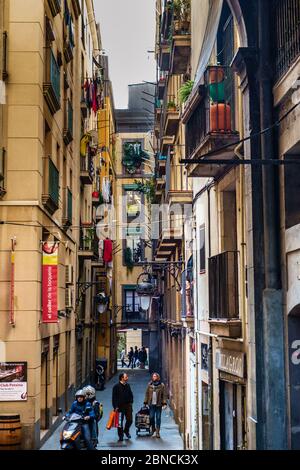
(12, 283)
(49, 282)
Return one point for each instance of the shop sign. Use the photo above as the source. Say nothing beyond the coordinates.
(231, 362)
(13, 381)
(50, 271)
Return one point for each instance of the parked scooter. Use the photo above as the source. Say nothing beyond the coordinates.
(71, 437)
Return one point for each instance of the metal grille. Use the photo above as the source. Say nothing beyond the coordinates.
(287, 32)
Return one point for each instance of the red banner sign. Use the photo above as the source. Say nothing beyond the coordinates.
(49, 279)
(12, 286)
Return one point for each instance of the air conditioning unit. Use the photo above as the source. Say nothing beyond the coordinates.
(69, 298)
(69, 274)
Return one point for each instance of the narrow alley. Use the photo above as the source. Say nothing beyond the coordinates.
(170, 437)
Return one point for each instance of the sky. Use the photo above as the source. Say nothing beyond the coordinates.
(128, 32)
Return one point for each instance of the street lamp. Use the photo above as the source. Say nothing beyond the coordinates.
(145, 290)
(102, 302)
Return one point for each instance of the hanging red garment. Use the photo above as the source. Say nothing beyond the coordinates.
(107, 251)
(94, 94)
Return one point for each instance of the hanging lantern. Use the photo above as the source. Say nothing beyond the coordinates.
(145, 290)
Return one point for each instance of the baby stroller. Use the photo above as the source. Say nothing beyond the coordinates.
(142, 420)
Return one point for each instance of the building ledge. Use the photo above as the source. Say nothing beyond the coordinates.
(229, 328)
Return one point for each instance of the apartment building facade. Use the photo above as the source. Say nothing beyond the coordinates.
(50, 48)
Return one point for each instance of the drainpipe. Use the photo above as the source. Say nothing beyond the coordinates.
(273, 425)
(210, 355)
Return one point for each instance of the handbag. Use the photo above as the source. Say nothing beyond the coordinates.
(111, 420)
(116, 420)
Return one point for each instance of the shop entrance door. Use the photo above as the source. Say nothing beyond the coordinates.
(232, 416)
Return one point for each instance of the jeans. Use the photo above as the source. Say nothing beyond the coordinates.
(94, 429)
(155, 416)
(86, 433)
(126, 412)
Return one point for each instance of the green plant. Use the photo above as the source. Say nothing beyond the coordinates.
(147, 188)
(171, 104)
(185, 91)
(128, 258)
(182, 10)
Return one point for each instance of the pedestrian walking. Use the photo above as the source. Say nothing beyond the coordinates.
(156, 398)
(122, 357)
(122, 399)
(135, 356)
(131, 358)
(141, 359)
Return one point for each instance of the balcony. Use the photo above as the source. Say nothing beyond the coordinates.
(164, 56)
(165, 142)
(68, 209)
(51, 86)
(161, 85)
(161, 165)
(136, 317)
(68, 129)
(180, 54)
(175, 187)
(210, 126)
(88, 247)
(50, 197)
(170, 115)
(86, 168)
(224, 295)
(169, 239)
(55, 7)
(287, 35)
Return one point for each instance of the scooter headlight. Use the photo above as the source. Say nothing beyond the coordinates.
(67, 435)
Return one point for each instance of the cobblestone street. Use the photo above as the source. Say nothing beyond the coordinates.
(170, 437)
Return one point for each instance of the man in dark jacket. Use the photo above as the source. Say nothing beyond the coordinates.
(122, 399)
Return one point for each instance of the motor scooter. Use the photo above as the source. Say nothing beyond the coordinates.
(71, 437)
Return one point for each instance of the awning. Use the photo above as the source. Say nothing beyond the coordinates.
(213, 21)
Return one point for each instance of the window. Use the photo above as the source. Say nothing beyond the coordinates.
(133, 204)
(134, 156)
(202, 249)
(135, 244)
(131, 301)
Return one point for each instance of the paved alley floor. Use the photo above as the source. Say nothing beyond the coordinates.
(170, 437)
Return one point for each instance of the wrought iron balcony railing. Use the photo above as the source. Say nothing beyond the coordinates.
(287, 34)
(50, 196)
(52, 82)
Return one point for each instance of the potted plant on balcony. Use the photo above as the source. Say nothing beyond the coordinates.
(128, 259)
(172, 106)
(182, 16)
(185, 91)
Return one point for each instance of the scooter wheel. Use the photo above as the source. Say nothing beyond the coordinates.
(137, 433)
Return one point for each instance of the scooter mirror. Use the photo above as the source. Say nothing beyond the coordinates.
(59, 410)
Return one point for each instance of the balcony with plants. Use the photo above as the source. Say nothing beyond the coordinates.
(180, 37)
(171, 115)
(211, 130)
(88, 246)
(51, 87)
